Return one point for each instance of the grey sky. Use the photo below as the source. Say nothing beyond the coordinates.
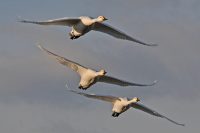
(33, 97)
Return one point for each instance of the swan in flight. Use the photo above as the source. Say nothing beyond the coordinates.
(84, 24)
(90, 77)
(123, 104)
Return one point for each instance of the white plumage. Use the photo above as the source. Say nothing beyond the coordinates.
(123, 104)
(84, 24)
(89, 76)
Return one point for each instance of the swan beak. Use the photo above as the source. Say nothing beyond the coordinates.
(104, 72)
(105, 19)
(137, 99)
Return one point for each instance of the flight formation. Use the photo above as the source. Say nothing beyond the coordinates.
(88, 76)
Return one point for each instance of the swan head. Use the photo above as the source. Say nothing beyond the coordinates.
(103, 72)
(135, 99)
(101, 18)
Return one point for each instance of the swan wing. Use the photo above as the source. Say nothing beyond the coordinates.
(62, 21)
(152, 112)
(99, 97)
(112, 80)
(74, 66)
(105, 28)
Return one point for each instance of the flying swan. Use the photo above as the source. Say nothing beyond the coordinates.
(90, 77)
(84, 24)
(123, 104)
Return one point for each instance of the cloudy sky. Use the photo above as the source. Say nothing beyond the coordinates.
(33, 97)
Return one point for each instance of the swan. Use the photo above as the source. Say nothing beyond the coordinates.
(84, 24)
(89, 76)
(123, 104)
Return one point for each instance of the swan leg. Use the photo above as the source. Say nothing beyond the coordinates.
(81, 87)
(84, 88)
(115, 114)
(75, 37)
(72, 37)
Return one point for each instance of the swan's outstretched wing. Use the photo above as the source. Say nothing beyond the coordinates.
(62, 21)
(152, 112)
(112, 80)
(116, 33)
(99, 97)
(74, 66)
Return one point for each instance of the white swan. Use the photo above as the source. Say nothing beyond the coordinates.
(123, 104)
(90, 77)
(84, 24)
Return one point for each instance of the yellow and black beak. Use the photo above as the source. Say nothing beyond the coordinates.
(104, 72)
(103, 18)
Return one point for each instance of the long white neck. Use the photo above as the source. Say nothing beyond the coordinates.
(100, 73)
(132, 101)
(96, 20)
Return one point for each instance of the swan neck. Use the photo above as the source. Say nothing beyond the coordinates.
(132, 101)
(100, 73)
(95, 20)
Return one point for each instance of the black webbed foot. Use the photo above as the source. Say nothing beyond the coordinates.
(115, 114)
(75, 37)
(80, 87)
(72, 37)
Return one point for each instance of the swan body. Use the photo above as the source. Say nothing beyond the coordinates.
(89, 76)
(85, 24)
(123, 104)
